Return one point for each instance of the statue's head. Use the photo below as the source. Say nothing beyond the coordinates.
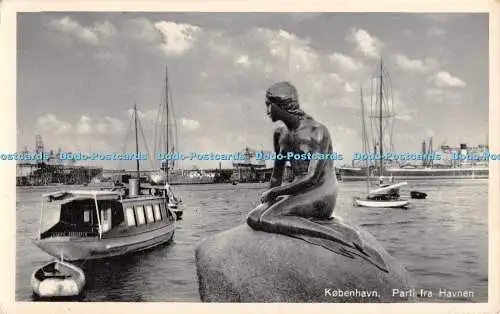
(282, 95)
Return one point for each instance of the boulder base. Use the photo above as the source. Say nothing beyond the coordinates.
(243, 265)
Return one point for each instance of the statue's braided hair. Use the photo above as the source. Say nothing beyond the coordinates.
(284, 95)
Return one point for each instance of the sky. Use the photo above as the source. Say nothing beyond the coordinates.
(79, 74)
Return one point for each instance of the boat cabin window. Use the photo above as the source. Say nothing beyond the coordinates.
(106, 219)
(149, 214)
(157, 212)
(111, 213)
(73, 213)
(140, 215)
(130, 217)
(74, 218)
(86, 216)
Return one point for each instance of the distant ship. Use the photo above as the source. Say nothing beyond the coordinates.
(445, 168)
(359, 174)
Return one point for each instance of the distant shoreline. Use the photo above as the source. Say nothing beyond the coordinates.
(344, 179)
(439, 177)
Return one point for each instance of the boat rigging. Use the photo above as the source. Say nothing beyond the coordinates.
(387, 194)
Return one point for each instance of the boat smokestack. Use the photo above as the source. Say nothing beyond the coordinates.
(133, 187)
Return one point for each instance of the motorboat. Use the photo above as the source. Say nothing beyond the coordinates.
(92, 224)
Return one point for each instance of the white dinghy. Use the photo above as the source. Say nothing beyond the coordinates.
(57, 279)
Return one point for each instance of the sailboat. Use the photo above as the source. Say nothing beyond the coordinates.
(163, 143)
(78, 225)
(386, 195)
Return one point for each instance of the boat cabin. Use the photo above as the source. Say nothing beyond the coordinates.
(386, 192)
(392, 194)
(101, 214)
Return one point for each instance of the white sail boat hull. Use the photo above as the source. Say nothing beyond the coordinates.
(380, 203)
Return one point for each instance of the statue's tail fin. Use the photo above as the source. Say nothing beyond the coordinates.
(367, 253)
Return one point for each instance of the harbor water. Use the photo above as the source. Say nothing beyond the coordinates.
(442, 240)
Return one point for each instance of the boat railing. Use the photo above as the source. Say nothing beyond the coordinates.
(76, 234)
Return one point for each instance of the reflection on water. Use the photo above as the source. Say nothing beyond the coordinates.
(442, 240)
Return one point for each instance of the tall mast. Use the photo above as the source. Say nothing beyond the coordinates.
(431, 150)
(136, 141)
(166, 105)
(364, 139)
(380, 121)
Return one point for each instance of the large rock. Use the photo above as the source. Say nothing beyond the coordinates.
(243, 265)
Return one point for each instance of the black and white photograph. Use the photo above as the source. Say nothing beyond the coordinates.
(252, 157)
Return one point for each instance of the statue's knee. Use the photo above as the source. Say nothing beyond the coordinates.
(253, 219)
(269, 220)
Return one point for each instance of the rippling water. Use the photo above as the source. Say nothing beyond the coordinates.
(442, 241)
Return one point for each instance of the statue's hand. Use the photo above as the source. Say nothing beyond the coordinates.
(268, 196)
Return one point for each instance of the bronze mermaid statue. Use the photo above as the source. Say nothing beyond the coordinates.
(303, 208)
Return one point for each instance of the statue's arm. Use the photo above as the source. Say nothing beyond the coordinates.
(316, 167)
(279, 165)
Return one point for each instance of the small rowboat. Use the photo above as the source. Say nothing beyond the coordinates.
(57, 279)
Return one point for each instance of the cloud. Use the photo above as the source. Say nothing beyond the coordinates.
(257, 58)
(346, 63)
(105, 29)
(88, 132)
(178, 38)
(110, 125)
(416, 65)
(443, 96)
(243, 61)
(410, 65)
(189, 124)
(408, 33)
(222, 76)
(436, 32)
(443, 17)
(141, 29)
(170, 38)
(402, 106)
(90, 35)
(84, 125)
(294, 52)
(102, 35)
(366, 44)
(445, 79)
(111, 57)
(256, 54)
(50, 123)
(348, 87)
(147, 118)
